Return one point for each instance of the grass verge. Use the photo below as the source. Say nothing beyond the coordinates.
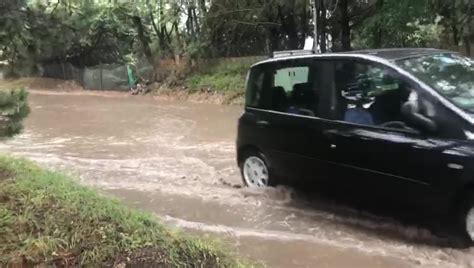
(221, 77)
(48, 219)
(227, 79)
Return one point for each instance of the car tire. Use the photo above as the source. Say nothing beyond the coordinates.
(465, 222)
(255, 170)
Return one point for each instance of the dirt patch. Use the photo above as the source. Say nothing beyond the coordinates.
(147, 257)
(38, 83)
(54, 84)
(4, 175)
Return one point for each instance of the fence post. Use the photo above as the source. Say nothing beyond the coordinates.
(101, 82)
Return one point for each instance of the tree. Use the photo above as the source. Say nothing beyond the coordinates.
(457, 19)
(257, 27)
(394, 23)
(90, 32)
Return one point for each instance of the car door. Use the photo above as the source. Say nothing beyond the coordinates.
(287, 118)
(399, 164)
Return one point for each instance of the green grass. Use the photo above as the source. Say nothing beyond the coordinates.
(222, 77)
(48, 219)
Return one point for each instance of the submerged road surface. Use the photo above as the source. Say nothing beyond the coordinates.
(177, 160)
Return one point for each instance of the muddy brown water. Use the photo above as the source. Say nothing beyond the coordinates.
(177, 160)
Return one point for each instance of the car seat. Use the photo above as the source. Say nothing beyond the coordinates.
(387, 107)
(304, 97)
(279, 99)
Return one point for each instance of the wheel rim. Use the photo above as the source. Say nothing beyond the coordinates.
(470, 223)
(255, 172)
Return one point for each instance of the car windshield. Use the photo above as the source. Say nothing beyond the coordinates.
(452, 75)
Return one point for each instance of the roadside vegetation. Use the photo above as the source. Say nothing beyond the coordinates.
(227, 80)
(47, 219)
(13, 109)
(61, 39)
(222, 77)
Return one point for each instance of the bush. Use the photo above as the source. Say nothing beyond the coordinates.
(13, 109)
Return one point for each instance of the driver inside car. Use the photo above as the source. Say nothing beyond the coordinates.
(418, 112)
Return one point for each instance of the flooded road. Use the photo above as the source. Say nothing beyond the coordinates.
(178, 160)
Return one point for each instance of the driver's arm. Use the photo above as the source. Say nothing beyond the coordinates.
(411, 110)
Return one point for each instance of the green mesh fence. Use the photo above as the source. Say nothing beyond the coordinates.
(106, 77)
(101, 77)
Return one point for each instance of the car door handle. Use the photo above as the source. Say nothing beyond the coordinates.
(336, 134)
(329, 134)
(263, 123)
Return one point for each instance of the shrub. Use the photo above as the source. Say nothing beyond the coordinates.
(13, 109)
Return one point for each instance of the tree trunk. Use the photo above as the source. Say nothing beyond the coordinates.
(456, 38)
(164, 41)
(177, 55)
(288, 25)
(467, 44)
(190, 23)
(143, 39)
(202, 5)
(322, 27)
(345, 25)
(197, 26)
(378, 32)
(304, 25)
(272, 40)
(155, 27)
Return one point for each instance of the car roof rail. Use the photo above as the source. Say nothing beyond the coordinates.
(289, 53)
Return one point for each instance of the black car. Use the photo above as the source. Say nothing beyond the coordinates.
(394, 124)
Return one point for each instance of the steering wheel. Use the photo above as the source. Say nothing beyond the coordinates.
(395, 124)
(306, 112)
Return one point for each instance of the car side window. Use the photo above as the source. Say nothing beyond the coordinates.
(372, 94)
(292, 89)
(287, 78)
(253, 97)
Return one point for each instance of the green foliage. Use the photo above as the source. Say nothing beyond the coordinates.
(221, 77)
(13, 109)
(395, 22)
(86, 33)
(428, 34)
(239, 28)
(406, 23)
(46, 218)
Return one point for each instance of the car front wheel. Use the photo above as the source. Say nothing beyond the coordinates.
(465, 226)
(255, 170)
(470, 223)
